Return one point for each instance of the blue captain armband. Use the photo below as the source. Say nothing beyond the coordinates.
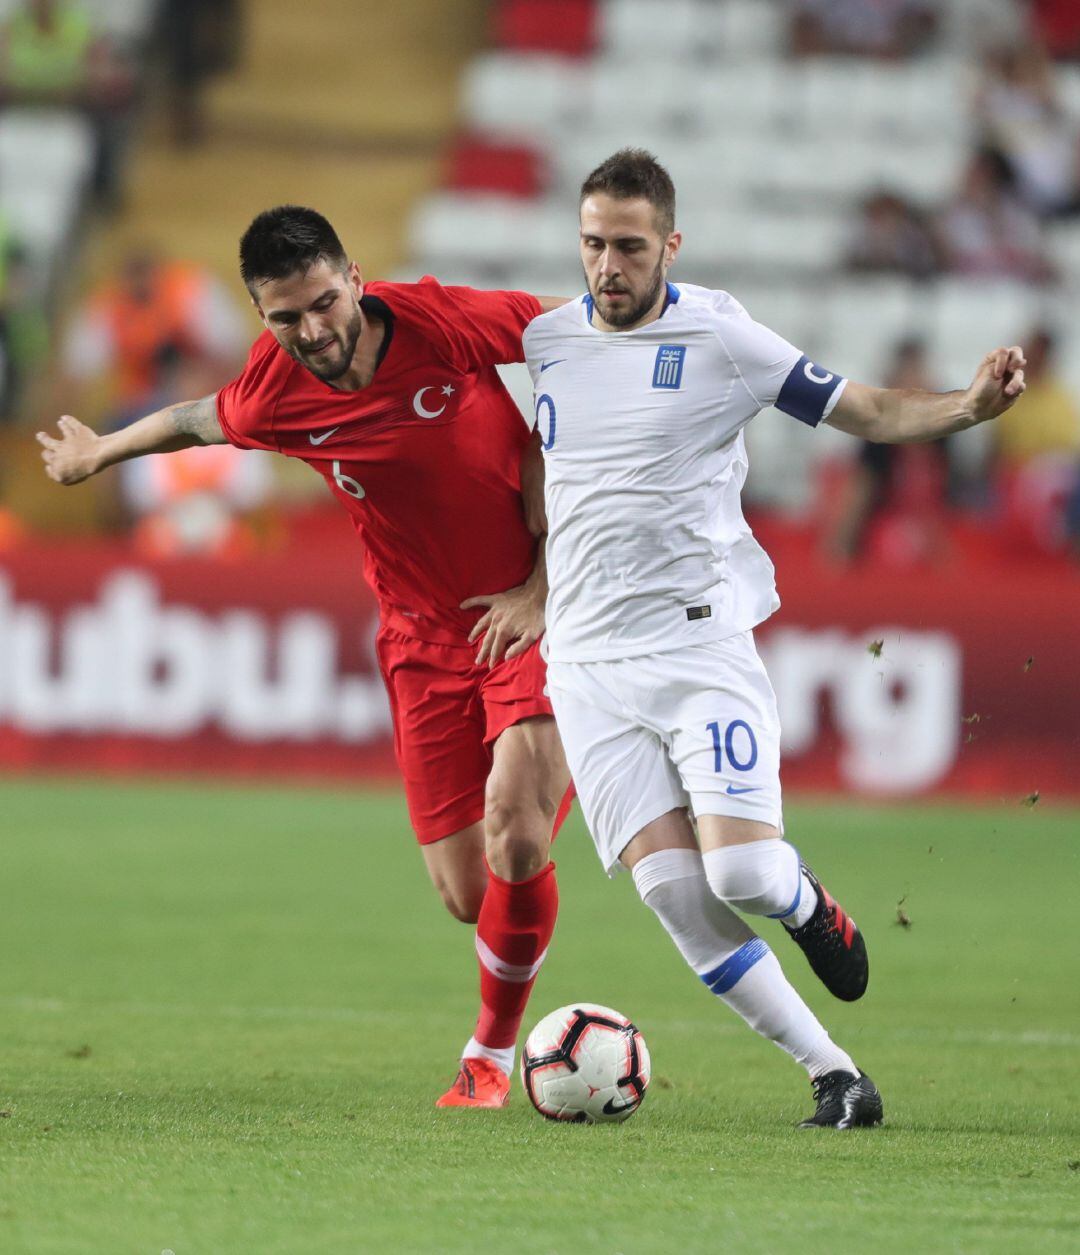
(809, 392)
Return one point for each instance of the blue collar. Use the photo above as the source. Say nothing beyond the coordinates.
(671, 297)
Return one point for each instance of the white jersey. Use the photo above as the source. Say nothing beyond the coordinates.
(647, 546)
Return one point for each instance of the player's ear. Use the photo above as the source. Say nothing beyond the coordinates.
(356, 279)
(671, 248)
(258, 310)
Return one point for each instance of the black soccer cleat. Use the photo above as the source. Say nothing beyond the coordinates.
(844, 1102)
(832, 943)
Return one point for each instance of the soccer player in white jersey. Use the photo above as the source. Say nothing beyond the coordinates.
(642, 389)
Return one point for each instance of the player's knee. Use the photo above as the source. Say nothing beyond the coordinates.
(463, 901)
(515, 855)
(518, 814)
(517, 824)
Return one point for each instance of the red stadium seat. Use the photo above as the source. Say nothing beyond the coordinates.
(564, 26)
(477, 164)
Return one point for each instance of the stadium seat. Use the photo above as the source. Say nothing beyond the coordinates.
(579, 151)
(563, 26)
(1067, 81)
(842, 96)
(792, 310)
(642, 30)
(653, 100)
(45, 147)
(738, 95)
(864, 318)
(523, 97)
(968, 318)
(492, 233)
(41, 217)
(745, 238)
(476, 164)
(752, 28)
(1063, 243)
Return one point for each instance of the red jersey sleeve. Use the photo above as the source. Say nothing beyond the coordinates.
(246, 405)
(472, 328)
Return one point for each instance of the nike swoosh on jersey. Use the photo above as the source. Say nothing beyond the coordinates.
(735, 789)
(548, 365)
(324, 437)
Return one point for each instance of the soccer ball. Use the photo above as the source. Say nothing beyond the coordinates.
(585, 1063)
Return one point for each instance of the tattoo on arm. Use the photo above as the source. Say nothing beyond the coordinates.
(197, 420)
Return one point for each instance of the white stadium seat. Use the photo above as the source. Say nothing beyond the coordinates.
(792, 310)
(579, 151)
(41, 217)
(617, 93)
(47, 147)
(1063, 243)
(524, 97)
(45, 159)
(1067, 80)
(752, 28)
(744, 95)
(864, 318)
(743, 238)
(646, 31)
(971, 317)
(492, 232)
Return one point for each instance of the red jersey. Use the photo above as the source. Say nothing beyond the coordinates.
(425, 459)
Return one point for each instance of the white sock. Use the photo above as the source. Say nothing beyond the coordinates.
(732, 961)
(762, 878)
(502, 1056)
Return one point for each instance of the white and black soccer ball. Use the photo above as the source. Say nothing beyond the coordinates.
(587, 1064)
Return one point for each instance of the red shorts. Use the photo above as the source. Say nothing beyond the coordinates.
(447, 714)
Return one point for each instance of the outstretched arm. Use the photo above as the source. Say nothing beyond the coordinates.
(80, 452)
(904, 415)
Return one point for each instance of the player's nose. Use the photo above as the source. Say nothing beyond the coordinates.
(310, 329)
(609, 263)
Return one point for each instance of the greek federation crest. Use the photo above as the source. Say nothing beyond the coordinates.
(667, 373)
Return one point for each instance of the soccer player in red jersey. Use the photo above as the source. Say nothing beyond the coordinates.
(390, 392)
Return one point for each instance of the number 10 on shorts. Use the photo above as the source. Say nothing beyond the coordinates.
(738, 743)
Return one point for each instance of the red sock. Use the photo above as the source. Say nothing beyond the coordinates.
(564, 809)
(512, 934)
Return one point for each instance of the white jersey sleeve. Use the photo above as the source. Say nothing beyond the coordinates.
(772, 371)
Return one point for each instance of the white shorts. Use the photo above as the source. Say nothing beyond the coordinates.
(694, 727)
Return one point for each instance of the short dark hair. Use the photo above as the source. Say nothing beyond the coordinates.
(632, 173)
(285, 240)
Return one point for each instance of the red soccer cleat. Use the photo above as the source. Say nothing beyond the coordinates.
(479, 1083)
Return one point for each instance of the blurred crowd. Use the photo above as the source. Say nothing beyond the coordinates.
(1023, 171)
(163, 329)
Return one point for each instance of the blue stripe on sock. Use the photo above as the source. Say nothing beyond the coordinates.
(735, 967)
(798, 892)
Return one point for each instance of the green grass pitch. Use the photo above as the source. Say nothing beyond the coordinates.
(226, 1014)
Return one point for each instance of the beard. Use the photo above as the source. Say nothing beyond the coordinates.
(635, 312)
(334, 365)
